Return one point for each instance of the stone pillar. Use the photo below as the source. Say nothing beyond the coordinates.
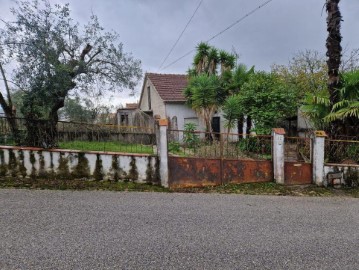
(278, 155)
(318, 158)
(162, 151)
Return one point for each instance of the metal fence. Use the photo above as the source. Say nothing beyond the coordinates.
(298, 149)
(342, 151)
(219, 145)
(87, 136)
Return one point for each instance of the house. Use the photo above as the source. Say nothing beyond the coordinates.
(125, 115)
(162, 94)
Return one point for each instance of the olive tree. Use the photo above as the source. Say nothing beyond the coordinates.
(55, 56)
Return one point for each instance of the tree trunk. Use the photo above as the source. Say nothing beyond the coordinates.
(8, 109)
(41, 133)
(334, 54)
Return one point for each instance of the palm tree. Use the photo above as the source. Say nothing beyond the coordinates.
(347, 108)
(334, 53)
(204, 95)
(227, 60)
(240, 76)
(200, 62)
(213, 60)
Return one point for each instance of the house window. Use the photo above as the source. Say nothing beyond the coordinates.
(174, 125)
(149, 98)
(124, 120)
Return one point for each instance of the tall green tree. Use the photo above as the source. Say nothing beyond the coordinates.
(55, 56)
(267, 101)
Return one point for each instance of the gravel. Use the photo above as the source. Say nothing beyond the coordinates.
(127, 230)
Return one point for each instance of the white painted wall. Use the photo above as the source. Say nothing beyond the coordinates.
(157, 104)
(182, 111)
(186, 114)
(303, 122)
(123, 161)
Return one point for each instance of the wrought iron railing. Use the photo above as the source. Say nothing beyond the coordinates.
(219, 145)
(84, 136)
(342, 151)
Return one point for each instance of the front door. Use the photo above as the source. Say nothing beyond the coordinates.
(216, 126)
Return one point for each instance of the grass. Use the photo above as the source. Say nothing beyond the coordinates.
(247, 189)
(107, 147)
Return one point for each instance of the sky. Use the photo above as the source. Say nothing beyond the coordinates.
(273, 34)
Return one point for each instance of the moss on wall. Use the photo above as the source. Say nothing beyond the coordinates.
(98, 172)
(22, 168)
(82, 169)
(133, 173)
(63, 171)
(157, 177)
(13, 164)
(42, 171)
(3, 166)
(116, 172)
(149, 171)
(32, 161)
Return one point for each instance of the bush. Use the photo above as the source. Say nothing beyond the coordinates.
(190, 138)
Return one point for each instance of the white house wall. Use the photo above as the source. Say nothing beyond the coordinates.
(157, 104)
(181, 111)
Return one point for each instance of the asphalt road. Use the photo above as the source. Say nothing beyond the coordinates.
(107, 230)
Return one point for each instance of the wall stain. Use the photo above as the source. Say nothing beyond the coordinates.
(13, 164)
(82, 169)
(63, 171)
(149, 171)
(22, 167)
(116, 172)
(157, 177)
(32, 161)
(98, 173)
(42, 171)
(3, 166)
(133, 173)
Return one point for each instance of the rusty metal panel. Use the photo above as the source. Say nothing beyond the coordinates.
(247, 171)
(193, 172)
(298, 173)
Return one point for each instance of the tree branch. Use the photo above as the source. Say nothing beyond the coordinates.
(85, 51)
(6, 85)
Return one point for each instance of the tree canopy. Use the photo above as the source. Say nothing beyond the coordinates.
(55, 56)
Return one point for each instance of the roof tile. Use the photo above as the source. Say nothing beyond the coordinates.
(170, 87)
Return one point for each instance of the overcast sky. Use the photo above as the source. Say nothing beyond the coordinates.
(273, 34)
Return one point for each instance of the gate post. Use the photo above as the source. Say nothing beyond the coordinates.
(278, 155)
(162, 151)
(318, 157)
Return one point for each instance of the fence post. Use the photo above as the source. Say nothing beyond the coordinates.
(163, 152)
(278, 155)
(318, 157)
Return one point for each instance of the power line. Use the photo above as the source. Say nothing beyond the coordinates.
(221, 32)
(184, 29)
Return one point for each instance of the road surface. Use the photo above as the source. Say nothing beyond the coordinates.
(109, 230)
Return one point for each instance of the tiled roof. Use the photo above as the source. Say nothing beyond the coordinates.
(170, 87)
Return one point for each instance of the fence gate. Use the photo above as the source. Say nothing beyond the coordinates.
(298, 161)
(199, 159)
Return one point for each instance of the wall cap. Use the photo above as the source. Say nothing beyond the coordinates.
(279, 131)
(163, 122)
(320, 133)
